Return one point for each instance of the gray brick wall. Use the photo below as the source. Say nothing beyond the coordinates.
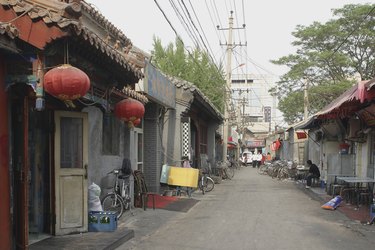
(152, 148)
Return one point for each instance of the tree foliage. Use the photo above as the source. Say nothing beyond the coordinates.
(195, 67)
(328, 58)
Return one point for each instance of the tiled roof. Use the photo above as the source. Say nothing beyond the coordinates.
(65, 15)
(9, 29)
(188, 86)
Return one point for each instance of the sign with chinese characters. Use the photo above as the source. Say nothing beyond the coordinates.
(158, 87)
(255, 144)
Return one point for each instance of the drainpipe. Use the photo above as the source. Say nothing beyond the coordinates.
(5, 241)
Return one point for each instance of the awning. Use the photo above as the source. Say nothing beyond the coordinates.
(349, 102)
(309, 123)
(345, 105)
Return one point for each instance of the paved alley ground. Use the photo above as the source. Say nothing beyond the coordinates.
(251, 211)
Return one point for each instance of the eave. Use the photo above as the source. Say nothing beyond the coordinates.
(40, 22)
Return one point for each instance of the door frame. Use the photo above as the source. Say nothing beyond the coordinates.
(70, 174)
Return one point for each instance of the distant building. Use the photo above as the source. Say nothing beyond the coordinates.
(253, 101)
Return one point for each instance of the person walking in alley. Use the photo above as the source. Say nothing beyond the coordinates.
(258, 159)
(313, 173)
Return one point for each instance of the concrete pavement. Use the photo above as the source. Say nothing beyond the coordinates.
(135, 228)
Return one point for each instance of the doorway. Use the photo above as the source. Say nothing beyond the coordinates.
(71, 163)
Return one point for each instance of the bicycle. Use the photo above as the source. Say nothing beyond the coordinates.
(118, 200)
(234, 163)
(263, 169)
(206, 183)
(223, 170)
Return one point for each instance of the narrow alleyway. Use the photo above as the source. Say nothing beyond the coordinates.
(251, 211)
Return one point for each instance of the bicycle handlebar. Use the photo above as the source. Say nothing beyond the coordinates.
(114, 171)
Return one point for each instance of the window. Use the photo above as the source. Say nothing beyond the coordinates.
(71, 147)
(111, 135)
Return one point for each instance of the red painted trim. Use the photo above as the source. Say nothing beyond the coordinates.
(36, 33)
(5, 235)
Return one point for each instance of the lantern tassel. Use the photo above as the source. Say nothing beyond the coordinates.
(130, 124)
(69, 104)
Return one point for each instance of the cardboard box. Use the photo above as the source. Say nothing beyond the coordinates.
(185, 177)
(102, 221)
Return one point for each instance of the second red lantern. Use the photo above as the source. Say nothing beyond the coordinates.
(130, 111)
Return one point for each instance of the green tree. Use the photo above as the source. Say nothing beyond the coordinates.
(195, 67)
(328, 56)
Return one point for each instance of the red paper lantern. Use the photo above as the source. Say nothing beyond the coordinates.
(137, 122)
(66, 82)
(130, 111)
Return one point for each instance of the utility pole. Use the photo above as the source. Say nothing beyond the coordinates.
(229, 52)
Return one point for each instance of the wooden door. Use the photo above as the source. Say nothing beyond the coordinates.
(71, 159)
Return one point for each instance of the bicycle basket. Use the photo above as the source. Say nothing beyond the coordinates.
(205, 170)
(108, 181)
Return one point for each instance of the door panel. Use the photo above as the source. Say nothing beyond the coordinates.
(71, 157)
(71, 205)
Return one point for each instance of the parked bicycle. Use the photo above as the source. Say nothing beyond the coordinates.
(263, 169)
(233, 163)
(206, 183)
(223, 170)
(118, 200)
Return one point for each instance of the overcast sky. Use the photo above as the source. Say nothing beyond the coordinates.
(269, 25)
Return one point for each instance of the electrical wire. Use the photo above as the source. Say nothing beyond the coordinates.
(204, 33)
(209, 51)
(184, 24)
(218, 17)
(180, 39)
(213, 23)
(235, 11)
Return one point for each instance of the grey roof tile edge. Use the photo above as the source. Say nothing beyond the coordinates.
(180, 83)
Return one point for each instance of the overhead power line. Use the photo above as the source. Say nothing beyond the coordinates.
(209, 51)
(180, 39)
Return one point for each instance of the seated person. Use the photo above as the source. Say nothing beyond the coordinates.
(313, 173)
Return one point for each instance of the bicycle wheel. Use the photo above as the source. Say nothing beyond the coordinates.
(236, 165)
(229, 172)
(126, 198)
(113, 202)
(209, 184)
(201, 184)
(262, 169)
